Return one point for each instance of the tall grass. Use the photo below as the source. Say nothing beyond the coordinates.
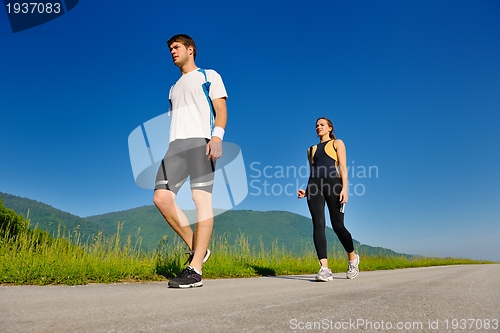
(239, 259)
(35, 257)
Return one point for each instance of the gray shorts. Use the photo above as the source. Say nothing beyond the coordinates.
(186, 157)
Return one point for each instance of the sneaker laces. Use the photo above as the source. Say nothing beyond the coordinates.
(352, 266)
(185, 273)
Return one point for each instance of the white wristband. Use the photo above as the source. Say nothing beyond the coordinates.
(218, 132)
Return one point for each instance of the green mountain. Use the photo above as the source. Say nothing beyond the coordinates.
(46, 217)
(290, 230)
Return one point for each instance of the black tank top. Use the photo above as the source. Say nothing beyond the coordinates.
(323, 161)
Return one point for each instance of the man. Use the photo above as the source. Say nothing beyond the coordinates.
(199, 116)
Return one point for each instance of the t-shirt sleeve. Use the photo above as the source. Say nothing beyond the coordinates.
(170, 101)
(217, 88)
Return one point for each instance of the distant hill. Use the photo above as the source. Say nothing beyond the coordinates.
(46, 217)
(291, 230)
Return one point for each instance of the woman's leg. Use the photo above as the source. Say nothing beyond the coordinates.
(332, 198)
(316, 204)
(331, 191)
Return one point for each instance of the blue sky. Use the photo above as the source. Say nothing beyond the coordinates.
(412, 89)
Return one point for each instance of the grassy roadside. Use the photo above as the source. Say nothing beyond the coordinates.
(36, 258)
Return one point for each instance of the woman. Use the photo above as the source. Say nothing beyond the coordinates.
(328, 184)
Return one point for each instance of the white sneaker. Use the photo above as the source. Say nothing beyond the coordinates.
(353, 270)
(324, 274)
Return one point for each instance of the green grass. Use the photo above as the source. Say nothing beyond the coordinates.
(240, 260)
(36, 258)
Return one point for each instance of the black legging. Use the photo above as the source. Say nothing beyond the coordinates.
(320, 190)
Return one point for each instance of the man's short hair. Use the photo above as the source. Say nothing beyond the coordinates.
(185, 40)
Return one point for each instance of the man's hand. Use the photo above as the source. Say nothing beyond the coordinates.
(214, 148)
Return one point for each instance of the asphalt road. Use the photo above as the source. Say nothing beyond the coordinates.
(432, 299)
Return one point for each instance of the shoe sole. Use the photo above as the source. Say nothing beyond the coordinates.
(185, 286)
(324, 280)
(207, 256)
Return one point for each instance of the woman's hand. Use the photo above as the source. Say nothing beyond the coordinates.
(301, 194)
(344, 197)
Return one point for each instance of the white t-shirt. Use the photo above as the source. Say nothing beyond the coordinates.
(191, 106)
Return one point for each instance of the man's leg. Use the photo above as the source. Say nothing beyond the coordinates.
(165, 202)
(204, 226)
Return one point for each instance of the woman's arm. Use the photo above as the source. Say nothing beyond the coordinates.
(341, 156)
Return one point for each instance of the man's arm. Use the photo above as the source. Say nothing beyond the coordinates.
(214, 147)
(221, 112)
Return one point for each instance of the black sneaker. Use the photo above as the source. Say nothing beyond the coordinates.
(191, 255)
(187, 279)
